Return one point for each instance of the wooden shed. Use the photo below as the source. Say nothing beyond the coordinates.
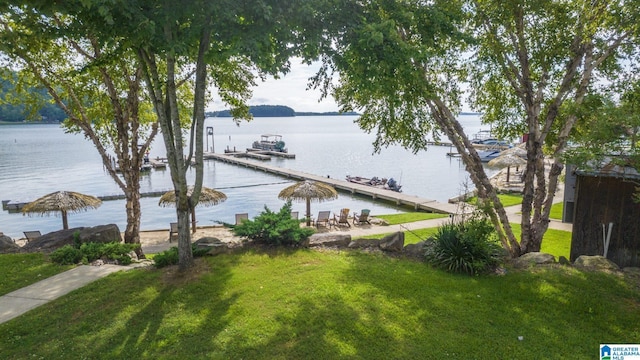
(605, 217)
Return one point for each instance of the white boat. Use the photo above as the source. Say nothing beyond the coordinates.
(270, 142)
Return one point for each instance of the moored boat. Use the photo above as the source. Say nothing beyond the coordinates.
(488, 155)
(383, 183)
(270, 142)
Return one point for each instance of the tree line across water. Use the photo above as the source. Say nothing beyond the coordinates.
(275, 111)
(16, 109)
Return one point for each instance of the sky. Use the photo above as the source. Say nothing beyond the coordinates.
(289, 90)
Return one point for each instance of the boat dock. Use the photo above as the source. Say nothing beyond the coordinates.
(14, 206)
(397, 198)
(416, 202)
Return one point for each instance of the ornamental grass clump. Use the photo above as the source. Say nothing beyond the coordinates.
(468, 247)
(274, 228)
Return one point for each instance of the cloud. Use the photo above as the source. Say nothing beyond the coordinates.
(290, 90)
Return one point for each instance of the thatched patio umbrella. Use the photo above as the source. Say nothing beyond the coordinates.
(507, 160)
(208, 197)
(308, 191)
(518, 150)
(62, 202)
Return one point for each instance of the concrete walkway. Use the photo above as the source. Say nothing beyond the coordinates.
(22, 300)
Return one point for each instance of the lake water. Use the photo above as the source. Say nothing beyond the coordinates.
(40, 159)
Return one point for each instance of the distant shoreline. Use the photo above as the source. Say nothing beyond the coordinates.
(213, 115)
(29, 123)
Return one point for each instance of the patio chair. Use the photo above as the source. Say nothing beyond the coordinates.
(241, 217)
(342, 219)
(173, 230)
(323, 219)
(32, 235)
(362, 218)
(294, 215)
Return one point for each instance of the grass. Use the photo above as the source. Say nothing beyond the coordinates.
(328, 305)
(554, 242)
(506, 199)
(402, 218)
(20, 270)
(556, 211)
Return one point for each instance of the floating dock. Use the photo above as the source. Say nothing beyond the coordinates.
(416, 202)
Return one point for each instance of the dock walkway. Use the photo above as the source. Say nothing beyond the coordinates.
(416, 202)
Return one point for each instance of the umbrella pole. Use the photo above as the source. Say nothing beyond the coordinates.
(65, 223)
(308, 212)
(508, 170)
(193, 220)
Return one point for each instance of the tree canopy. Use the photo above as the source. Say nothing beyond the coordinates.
(527, 64)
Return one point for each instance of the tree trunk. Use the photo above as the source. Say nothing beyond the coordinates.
(185, 254)
(132, 231)
(450, 125)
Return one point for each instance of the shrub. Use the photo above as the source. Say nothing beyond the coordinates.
(274, 228)
(467, 247)
(170, 257)
(66, 255)
(89, 252)
(166, 258)
(109, 251)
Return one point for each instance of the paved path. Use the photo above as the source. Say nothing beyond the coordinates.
(22, 300)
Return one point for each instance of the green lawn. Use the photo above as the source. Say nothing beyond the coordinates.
(554, 242)
(506, 199)
(408, 217)
(556, 211)
(20, 270)
(308, 304)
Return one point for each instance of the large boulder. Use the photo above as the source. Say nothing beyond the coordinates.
(364, 244)
(57, 239)
(7, 245)
(393, 242)
(328, 240)
(595, 262)
(533, 258)
(214, 245)
(417, 250)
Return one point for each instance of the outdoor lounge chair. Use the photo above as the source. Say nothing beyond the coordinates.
(32, 235)
(241, 217)
(323, 219)
(343, 219)
(362, 218)
(173, 230)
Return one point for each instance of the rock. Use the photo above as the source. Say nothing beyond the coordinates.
(329, 240)
(379, 222)
(207, 240)
(213, 244)
(57, 239)
(133, 256)
(7, 245)
(101, 234)
(393, 242)
(632, 271)
(304, 243)
(364, 244)
(595, 262)
(416, 251)
(564, 261)
(533, 258)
